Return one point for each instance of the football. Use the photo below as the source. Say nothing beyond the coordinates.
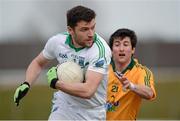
(70, 72)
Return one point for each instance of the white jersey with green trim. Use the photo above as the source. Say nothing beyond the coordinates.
(95, 58)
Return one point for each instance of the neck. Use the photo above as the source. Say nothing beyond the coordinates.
(76, 45)
(121, 66)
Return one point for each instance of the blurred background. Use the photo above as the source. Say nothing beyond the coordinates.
(26, 25)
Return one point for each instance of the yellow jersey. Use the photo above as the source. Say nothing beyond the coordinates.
(124, 105)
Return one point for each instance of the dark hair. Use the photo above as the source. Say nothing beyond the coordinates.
(79, 13)
(122, 33)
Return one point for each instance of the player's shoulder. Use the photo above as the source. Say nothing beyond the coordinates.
(100, 43)
(142, 68)
(100, 40)
(59, 37)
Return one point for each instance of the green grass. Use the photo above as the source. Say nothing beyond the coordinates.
(37, 104)
(167, 104)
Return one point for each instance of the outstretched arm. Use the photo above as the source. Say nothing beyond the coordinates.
(32, 73)
(141, 90)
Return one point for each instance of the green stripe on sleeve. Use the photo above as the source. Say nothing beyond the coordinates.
(101, 48)
(147, 77)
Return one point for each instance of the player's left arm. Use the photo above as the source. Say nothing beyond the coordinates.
(143, 91)
(144, 86)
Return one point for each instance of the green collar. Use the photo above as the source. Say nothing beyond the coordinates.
(129, 67)
(69, 42)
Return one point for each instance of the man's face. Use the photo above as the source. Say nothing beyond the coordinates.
(82, 34)
(122, 50)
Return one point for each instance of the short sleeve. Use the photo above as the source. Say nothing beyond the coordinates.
(100, 63)
(48, 51)
(147, 79)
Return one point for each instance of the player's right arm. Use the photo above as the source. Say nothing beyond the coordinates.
(35, 68)
(32, 73)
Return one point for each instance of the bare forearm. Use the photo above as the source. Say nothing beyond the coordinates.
(35, 68)
(33, 72)
(143, 91)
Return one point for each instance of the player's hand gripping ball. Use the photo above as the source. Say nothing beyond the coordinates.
(70, 72)
(52, 77)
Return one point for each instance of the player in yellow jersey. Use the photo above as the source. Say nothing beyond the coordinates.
(129, 82)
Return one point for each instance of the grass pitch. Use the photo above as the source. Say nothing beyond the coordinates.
(37, 103)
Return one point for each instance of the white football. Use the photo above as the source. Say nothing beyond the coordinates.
(70, 72)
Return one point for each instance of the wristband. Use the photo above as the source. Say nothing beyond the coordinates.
(26, 84)
(132, 86)
(53, 83)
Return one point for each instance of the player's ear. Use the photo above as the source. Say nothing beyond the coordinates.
(133, 50)
(70, 30)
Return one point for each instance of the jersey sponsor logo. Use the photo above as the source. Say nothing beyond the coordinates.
(81, 62)
(78, 59)
(64, 57)
(112, 106)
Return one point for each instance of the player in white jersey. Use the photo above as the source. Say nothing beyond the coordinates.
(74, 101)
